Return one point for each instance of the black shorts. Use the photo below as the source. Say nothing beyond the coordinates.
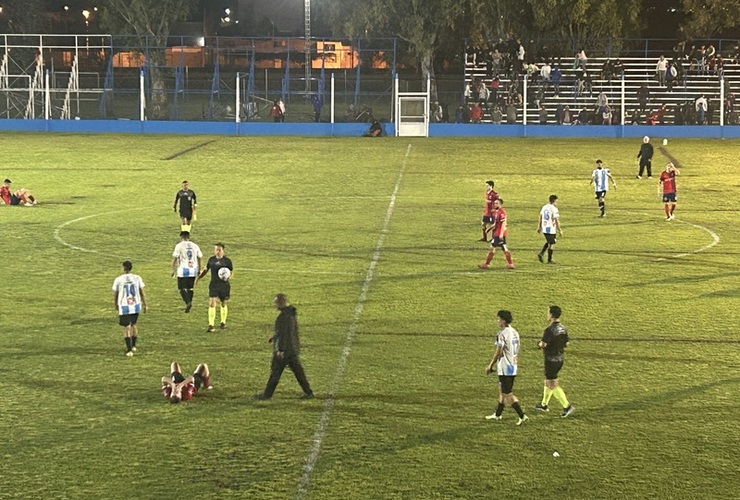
(600, 194)
(186, 283)
(221, 290)
(669, 197)
(552, 368)
(551, 238)
(487, 219)
(128, 319)
(186, 214)
(177, 377)
(506, 382)
(498, 242)
(199, 380)
(14, 200)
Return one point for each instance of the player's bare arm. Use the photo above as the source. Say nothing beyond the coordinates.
(497, 355)
(115, 300)
(144, 307)
(175, 263)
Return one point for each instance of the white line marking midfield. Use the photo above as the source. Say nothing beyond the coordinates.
(320, 433)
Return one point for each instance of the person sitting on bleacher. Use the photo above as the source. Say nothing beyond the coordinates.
(618, 68)
(606, 70)
(556, 76)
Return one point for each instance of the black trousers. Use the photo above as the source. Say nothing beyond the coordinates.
(276, 370)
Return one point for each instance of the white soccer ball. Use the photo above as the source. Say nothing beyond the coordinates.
(665, 142)
(224, 273)
(555, 454)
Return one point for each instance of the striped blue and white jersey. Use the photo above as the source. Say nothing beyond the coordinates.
(187, 253)
(508, 340)
(549, 214)
(128, 289)
(600, 177)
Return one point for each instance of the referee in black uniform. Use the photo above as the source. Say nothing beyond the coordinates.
(188, 203)
(553, 343)
(219, 289)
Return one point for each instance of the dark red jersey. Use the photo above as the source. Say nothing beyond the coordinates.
(187, 392)
(668, 180)
(491, 196)
(5, 194)
(500, 227)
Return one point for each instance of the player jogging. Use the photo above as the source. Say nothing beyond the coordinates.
(487, 221)
(187, 260)
(177, 388)
(600, 178)
(506, 359)
(219, 289)
(646, 158)
(549, 225)
(553, 343)
(667, 184)
(500, 229)
(188, 203)
(129, 300)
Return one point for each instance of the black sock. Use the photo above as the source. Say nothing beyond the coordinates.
(128, 343)
(499, 409)
(549, 255)
(184, 294)
(133, 341)
(602, 207)
(191, 293)
(518, 409)
(544, 248)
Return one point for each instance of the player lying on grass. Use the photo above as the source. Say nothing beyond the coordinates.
(21, 196)
(177, 388)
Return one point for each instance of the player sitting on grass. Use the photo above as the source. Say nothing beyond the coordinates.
(21, 196)
(177, 388)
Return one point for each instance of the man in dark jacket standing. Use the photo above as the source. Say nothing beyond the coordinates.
(646, 158)
(286, 347)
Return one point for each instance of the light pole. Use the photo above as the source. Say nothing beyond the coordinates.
(307, 18)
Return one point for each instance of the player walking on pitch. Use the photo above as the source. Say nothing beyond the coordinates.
(506, 359)
(187, 260)
(554, 341)
(188, 203)
(500, 230)
(129, 300)
(549, 225)
(667, 184)
(600, 178)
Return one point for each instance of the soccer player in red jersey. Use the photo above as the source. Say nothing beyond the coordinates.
(177, 388)
(500, 229)
(667, 185)
(487, 221)
(20, 197)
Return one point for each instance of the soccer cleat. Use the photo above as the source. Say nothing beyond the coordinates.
(650, 176)
(539, 257)
(188, 307)
(567, 412)
(541, 407)
(222, 326)
(134, 349)
(522, 420)
(211, 329)
(494, 417)
(483, 239)
(307, 396)
(261, 397)
(668, 218)
(509, 266)
(129, 353)
(484, 266)
(638, 177)
(551, 262)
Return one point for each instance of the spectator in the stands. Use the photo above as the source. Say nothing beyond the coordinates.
(606, 70)
(643, 97)
(602, 102)
(511, 113)
(483, 93)
(656, 117)
(700, 106)
(543, 114)
(495, 85)
(476, 112)
(660, 70)
(545, 74)
(468, 92)
(581, 60)
(670, 77)
(496, 115)
(567, 117)
(556, 76)
(520, 53)
(460, 114)
(618, 69)
(496, 61)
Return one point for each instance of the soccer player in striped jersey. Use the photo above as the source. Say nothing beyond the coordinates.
(506, 360)
(667, 183)
(487, 221)
(129, 300)
(187, 260)
(500, 230)
(600, 179)
(549, 225)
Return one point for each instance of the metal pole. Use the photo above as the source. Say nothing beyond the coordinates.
(238, 99)
(332, 98)
(526, 87)
(624, 111)
(47, 99)
(396, 116)
(722, 102)
(142, 97)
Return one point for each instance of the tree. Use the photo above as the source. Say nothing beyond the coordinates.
(707, 18)
(24, 16)
(424, 24)
(150, 22)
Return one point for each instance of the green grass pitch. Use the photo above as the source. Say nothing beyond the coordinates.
(375, 242)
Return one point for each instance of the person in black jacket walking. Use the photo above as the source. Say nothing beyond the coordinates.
(286, 347)
(646, 158)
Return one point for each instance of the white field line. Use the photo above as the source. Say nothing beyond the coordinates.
(69, 245)
(323, 422)
(715, 241)
(293, 271)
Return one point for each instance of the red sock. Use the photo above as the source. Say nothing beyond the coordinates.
(673, 207)
(508, 258)
(489, 258)
(667, 211)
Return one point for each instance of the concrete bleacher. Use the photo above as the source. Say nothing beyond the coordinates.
(637, 71)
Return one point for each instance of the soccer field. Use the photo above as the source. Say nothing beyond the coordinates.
(375, 242)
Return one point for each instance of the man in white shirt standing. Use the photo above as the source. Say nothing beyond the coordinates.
(129, 300)
(660, 69)
(187, 260)
(600, 178)
(549, 226)
(506, 360)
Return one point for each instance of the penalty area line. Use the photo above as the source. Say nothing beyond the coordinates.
(715, 242)
(323, 422)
